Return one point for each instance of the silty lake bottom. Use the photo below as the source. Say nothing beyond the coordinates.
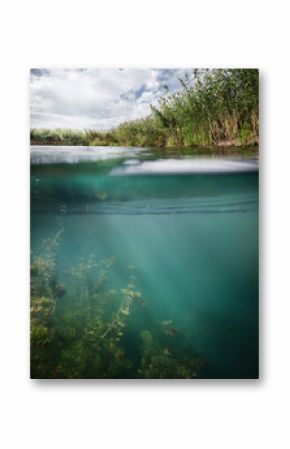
(143, 264)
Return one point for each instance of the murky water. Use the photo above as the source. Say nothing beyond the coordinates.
(179, 236)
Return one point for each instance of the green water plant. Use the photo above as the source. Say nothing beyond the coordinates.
(164, 359)
(77, 329)
(80, 324)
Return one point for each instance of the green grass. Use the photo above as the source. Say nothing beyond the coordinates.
(61, 136)
(218, 107)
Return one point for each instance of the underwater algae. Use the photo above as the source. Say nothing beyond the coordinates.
(78, 328)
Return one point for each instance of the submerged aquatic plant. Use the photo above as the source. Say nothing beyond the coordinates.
(161, 359)
(79, 329)
(76, 331)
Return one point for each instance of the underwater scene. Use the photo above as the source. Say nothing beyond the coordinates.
(144, 263)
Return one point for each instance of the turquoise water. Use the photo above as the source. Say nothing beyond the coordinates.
(186, 227)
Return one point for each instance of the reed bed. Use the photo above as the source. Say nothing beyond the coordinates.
(213, 108)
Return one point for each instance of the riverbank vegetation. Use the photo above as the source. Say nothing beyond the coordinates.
(213, 108)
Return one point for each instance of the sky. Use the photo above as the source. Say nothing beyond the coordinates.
(96, 98)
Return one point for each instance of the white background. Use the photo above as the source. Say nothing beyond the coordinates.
(152, 414)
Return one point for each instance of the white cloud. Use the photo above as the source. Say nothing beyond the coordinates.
(95, 98)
